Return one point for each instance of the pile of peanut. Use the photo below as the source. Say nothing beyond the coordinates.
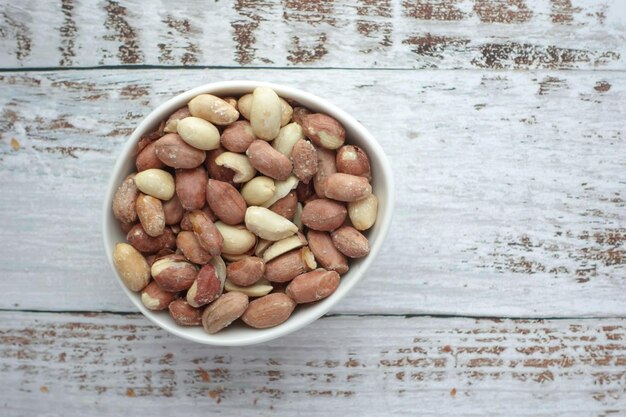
(232, 217)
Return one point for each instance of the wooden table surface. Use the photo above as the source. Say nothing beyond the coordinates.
(501, 288)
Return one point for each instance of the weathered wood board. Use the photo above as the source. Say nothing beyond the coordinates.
(468, 34)
(510, 185)
(68, 364)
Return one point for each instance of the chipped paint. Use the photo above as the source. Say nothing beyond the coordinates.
(129, 50)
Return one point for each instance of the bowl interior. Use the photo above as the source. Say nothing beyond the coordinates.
(238, 334)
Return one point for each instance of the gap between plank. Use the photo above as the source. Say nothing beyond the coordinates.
(391, 315)
(282, 68)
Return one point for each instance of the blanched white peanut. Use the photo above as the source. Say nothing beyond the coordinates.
(265, 113)
(237, 240)
(244, 104)
(244, 171)
(287, 138)
(286, 111)
(297, 217)
(259, 289)
(268, 225)
(213, 109)
(282, 189)
(363, 212)
(258, 190)
(283, 246)
(156, 182)
(262, 246)
(198, 133)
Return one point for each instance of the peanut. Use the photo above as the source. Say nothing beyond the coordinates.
(191, 187)
(282, 190)
(173, 273)
(174, 152)
(268, 311)
(155, 298)
(246, 272)
(363, 212)
(313, 286)
(147, 158)
(287, 266)
(283, 246)
(218, 172)
(207, 287)
(268, 160)
(143, 242)
(287, 138)
(258, 190)
(213, 109)
(155, 182)
(238, 136)
(223, 311)
(244, 104)
(239, 164)
(151, 214)
(183, 314)
(173, 210)
(171, 124)
(323, 130)
(237, 240)
(199, 133)
(268, 225)
(326, 166)
(124, 201)
(304, 158)
(323, 214)
(190, 247)
(226, 202)
(206, 232)
(325, 252)
(286, 206)
(345, 187)
(258, 289)
(265, 113)
(350, 242)
(132, 266)
(354, 161)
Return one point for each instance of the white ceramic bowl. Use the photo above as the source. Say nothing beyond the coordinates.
(239, 334)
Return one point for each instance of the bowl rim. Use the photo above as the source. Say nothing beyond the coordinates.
(315, 311)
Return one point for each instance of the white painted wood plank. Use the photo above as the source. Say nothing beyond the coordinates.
(510, 185)
(444, 34)
(105, 365)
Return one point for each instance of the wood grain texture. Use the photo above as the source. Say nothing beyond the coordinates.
(492, 34)
(100, 364)
(510, 185)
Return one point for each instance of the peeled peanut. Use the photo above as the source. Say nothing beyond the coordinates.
(286, 111)
(155, 298)
(206, 232)
(323, 130)
(191, 187)
(234, 258)
(226, 202)
(151, 215)
(147, 158)
(258, 190)
(174, 152)
(190, 247)
(237, 240)
(231, 100)
(326, 166)
(262, 246)
(258, 289)
(297, 216)
(223, 311)
(124, 201)
(172, 122)
(283, 246)
(345, 187)
(363, 212)
(312, 286)
(304, 157)
(268, 160)
(282, 190)
(288, 266)
(213, 109)
(323, 214)
(350, 242)
(268, 311)
(286, 206)
(238, 136)
(156, 182)
(325, 252)
(207, 287)
(174, 273)
(239, 164)
(143, 242)
(354, 161)
(132, 266)
(268, 225)
(199, 133)
(220, 267)
(217, 172)
(265, 113)
(173, 210)
(184, 314)
(287, 138)
(246, 271)
(244, 104)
